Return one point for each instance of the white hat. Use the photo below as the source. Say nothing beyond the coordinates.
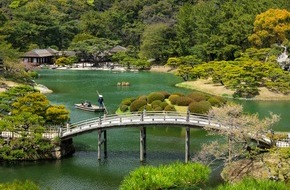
(100, 95)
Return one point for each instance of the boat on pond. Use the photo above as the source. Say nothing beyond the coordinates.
(89, 107)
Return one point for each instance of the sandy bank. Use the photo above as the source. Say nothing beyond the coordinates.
(5, 84)
(216, 89)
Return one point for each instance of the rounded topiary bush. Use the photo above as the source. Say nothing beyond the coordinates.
(173, 98)
(197, 96)
(155, 96)
(178, 93)
(215, 101)
(157, 108)
(137, 104)
(166, 94)
(169, 108)
(183, 101)
(142, 98)
(126, 102)
(124, 108)
(156, 102)
(163, 104)
(199, 107)
(146, 107)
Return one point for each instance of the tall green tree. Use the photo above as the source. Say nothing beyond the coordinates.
(155, 42)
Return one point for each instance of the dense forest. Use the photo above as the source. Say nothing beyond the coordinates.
(181, 34)
(151, 29)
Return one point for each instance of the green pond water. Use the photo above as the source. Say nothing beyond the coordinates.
(164, 145)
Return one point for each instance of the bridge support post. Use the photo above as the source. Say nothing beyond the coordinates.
(142, 143)
(100, 142)
(187, 145)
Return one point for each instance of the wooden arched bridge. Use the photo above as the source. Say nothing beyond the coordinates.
(141, 121)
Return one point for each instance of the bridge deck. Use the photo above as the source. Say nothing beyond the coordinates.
(137, 120)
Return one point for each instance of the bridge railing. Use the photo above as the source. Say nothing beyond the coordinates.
(136, 117)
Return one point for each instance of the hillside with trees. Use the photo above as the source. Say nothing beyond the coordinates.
(194, 31)
(211, 29)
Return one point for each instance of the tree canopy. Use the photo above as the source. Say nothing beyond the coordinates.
(211, 30)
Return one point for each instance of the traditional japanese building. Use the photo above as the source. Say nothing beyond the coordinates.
(40, 56)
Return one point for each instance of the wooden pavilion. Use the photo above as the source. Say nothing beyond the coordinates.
(40, 56)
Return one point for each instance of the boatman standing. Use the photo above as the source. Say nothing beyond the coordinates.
(100, 100)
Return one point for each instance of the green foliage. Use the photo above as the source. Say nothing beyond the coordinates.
(246, 76)
(214, 101)
(62, 61)
(155, 96)
(197, 96)
(165, 94)
(177, 175)
(124, 107)
(183, 101)
(155, 36)
(142, 98)
(23, 185)
(126, 102)
(173, 99)
(32, 74)
(57, 114)
(157, 108)
(169, 108)
(156, 102)
(30, 111)
(254, 184)
(9, 96)
(35, 103)
(163, 104)
(201, 107)
(137, 104)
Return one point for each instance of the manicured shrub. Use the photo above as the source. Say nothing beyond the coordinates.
(215, 101)
(137, 104)
(163, 104)
(173, 99)
(178, 93)
(142, 98)
(197, 96)
(124, 108)
(166, 94)
(146, 107)
(157, 108)
(156, 102)
(126, 102)
(155, 96)
(183, 101)
(199, 107)
(169, 108)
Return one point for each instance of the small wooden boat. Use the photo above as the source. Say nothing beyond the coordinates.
(90, 107)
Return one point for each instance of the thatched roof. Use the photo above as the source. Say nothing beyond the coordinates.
(41, 53)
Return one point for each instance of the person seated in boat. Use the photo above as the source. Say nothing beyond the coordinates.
(101, 100)
(86, 104)
(89, 104)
